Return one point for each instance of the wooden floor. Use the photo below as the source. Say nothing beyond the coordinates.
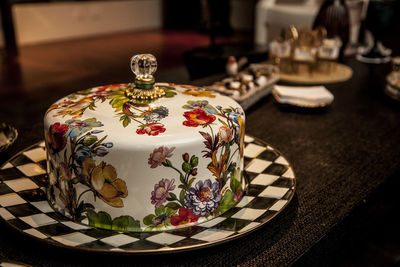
(45, 72)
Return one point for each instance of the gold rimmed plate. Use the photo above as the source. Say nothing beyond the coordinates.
(23, 205)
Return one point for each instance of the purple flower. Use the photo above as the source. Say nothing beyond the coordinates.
(203, 198)
(159, 156)
(161, 192)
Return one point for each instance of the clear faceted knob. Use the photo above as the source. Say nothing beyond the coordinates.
(144, 89)
(143, 66)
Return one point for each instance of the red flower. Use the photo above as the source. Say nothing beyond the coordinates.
(197, 117)
(185, 216)
(151, 129)
(56, 137)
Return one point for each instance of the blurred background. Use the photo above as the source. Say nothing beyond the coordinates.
(57, 47)
(53, 48)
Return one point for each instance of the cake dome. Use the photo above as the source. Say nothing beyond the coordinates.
(144, 156)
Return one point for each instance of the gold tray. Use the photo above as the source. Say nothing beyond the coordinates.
(338, 73)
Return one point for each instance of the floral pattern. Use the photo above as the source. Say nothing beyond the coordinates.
(103, 179)
(198, 117)
(204, 198)
(56, 139)
(129, 110)
(151, 129)
(80, 168)
(161, 192)
(199, 93)
(178, 199)
(159, 156)
(184, 216)
(199, 198)
(77, 127)
(200, 104)
(157, 114)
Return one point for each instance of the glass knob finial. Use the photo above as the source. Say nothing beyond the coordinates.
(143, 66)
(144, 89)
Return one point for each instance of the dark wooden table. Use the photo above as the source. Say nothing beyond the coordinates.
(344, 156)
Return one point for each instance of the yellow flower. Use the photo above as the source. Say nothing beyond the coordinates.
(199, 93)
(103, 179)
(76, 109)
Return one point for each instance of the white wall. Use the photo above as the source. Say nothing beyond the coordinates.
(44, 22)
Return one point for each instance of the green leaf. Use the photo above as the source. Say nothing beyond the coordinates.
(168, 88)
(85, 92)
(194, 161)
(182, 178)
(191, 181)
(236, 176)
(119, 102)
(89, 140)
(226, 202)
(159, 210)
(99, 141)
(87, 206)
(126, 121)
(125, 223)
(186, 167)
(173, 205)
(169, 212)
(173, 196)
(116, 94)
(182, 196)
(148, 220)
(101, 219)
(169, 94)
(168, 162)
(235, 184)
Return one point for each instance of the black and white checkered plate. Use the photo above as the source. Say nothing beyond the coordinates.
(23, 206)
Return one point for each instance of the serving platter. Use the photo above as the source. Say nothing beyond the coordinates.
(24, 207)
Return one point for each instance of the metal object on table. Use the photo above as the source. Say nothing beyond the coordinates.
(8, 135)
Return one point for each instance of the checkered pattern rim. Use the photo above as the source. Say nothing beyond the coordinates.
(23, 205)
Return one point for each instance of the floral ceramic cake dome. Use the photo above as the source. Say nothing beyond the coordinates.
(144, 156)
